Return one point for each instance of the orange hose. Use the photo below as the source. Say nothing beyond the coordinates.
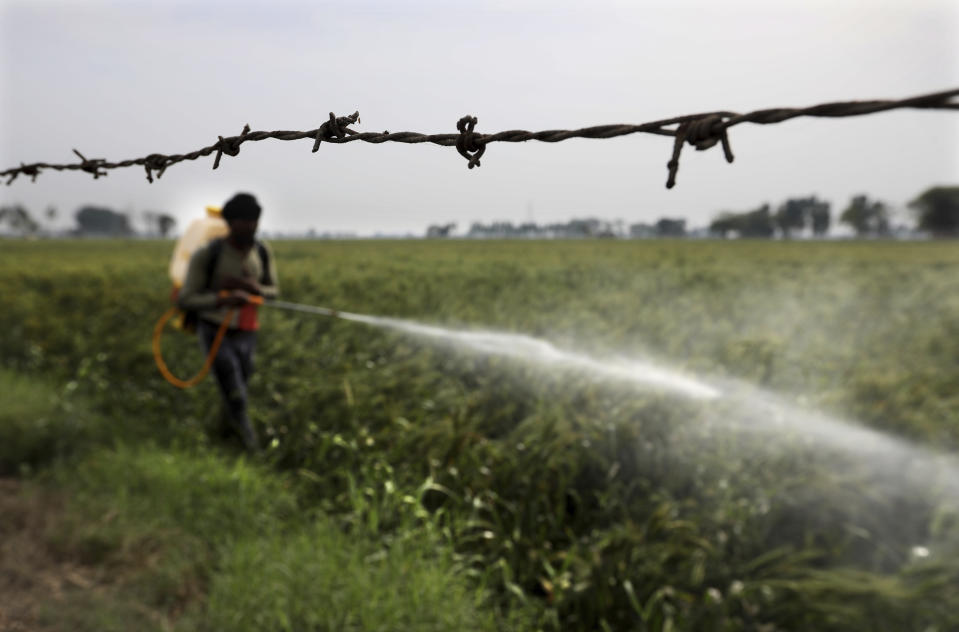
(158, 353)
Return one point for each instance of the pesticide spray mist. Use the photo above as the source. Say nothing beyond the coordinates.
(895, 466)
(855, 468)
(545, 354)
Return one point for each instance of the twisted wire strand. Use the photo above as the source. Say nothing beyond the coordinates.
(700, 130)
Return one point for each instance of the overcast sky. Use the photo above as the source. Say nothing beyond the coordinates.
(121, 80)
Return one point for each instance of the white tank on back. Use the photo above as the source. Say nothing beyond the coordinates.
(199, 233)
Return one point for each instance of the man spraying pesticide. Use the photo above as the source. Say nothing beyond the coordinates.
(225, 282)
(221, 273)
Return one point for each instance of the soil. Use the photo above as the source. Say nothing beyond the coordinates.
(35, 577)
(48, 584)
(31, 575)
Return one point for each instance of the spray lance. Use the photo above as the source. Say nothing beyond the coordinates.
(521, 346)
(296, 307)
(221, 332)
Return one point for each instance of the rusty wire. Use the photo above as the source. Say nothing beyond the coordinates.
(699, 130)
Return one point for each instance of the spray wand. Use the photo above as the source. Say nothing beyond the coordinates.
(296, 307)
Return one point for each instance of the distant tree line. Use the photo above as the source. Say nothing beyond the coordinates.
(936, 212)
(793, 216)
(590, 227)
(578, 228)
(91, 221)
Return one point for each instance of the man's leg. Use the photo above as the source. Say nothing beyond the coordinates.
(244, 346)
(228, 367)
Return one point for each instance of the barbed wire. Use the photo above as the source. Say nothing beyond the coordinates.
(702, 131)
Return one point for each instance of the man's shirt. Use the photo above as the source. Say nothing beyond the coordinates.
(194, 296)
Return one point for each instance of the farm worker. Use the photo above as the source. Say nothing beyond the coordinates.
(221, 276)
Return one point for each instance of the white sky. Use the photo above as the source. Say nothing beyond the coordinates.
(121, 80)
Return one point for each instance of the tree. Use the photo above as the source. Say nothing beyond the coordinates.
(820, 216)
(758, 223)
(937, 210)
(791, 216)
(166, 223)
(18, 219)
(159, 223)
(798, 213)
(667, 227)
(865, 217)
(440, 231)
(94, 220)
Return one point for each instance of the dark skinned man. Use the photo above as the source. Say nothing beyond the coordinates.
(222, 276)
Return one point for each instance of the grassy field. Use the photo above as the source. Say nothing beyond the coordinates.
(411, 484)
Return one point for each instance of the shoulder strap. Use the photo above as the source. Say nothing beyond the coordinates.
(213, 255)
(265, 278)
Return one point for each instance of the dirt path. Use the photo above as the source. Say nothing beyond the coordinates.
(32, 575)
(42, 586)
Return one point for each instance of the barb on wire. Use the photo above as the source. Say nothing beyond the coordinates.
(27, 170)
(229, 146)
(702, 131)
(335, 128)
(467, 143)
(91, 166)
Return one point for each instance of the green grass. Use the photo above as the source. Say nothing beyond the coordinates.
(39, 424)
(572, 504)
(322, 579)
(197, 539)
(231, 530)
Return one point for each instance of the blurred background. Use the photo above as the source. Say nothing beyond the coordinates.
(124, 79)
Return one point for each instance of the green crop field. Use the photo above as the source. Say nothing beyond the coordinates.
(411, 483)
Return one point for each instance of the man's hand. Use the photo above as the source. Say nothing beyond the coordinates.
(236, 298)
(238, 283)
